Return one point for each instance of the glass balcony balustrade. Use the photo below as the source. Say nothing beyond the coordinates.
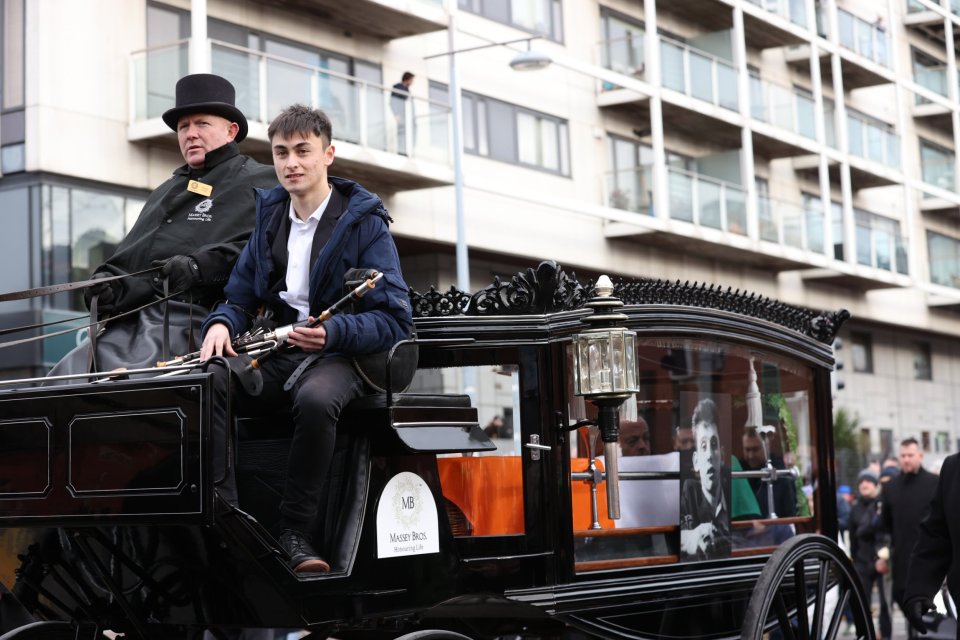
(698, 74)
(872, 141)
(630, 189)
(707, 202)
(869, 39)
(915, 7)
(937, 169)
(782, 107)
(790, 224)
(362, 112)
(792, 10)
(623, 55)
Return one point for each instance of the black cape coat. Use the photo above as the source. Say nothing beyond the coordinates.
(174, 221)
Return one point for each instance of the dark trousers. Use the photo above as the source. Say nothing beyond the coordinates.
(316, 400)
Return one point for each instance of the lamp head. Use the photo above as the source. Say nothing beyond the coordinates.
(530, 60)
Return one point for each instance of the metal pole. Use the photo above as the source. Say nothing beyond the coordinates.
(456, 114)
(199, 57)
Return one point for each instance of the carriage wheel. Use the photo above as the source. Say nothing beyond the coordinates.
(433, 634)
(803, 590)
(47, 630)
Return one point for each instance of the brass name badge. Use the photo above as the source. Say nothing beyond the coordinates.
(195, 186)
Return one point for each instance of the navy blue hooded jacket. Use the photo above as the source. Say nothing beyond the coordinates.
(361, 239)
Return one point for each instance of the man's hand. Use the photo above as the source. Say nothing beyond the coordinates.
(308, 339)
(697, 539)
(182, 271)
(217, 342)
(913, 610)
(882, 567)
(107, 296)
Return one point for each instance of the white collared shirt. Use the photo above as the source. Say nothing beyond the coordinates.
(299, 243)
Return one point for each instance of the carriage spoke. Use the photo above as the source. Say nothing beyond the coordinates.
(800, 596)
(783, 616)
(842, 599)
(816, 630)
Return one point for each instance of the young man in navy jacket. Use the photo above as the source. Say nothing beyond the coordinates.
(309, 232)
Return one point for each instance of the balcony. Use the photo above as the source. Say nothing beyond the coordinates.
(766, 28)
(629, 190)
(934, 80)
(929, 23)
(881, 257)
(709, 216)
(624, 56)
(864, 54)
(790, 224)
(386, 152)
(384, 19)
(787, 115)
(773, 23)
(874, 152)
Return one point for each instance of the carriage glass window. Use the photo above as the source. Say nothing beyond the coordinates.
(483, 492)
(716, 457)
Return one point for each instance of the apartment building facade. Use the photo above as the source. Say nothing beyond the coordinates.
(804, 150)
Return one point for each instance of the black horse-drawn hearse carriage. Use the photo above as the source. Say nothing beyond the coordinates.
(434, 526)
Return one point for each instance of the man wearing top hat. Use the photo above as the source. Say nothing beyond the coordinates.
(193, 226)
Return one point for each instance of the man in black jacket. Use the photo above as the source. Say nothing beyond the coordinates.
(904, 503)
(193, 226)
(934, 556)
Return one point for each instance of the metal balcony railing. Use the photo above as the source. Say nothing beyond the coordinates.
(783, 107)
(698, 74)
(362, 112)
(706, 202)
(790, 224)
(868, 39)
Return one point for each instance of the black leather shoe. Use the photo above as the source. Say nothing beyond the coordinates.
(303, 557)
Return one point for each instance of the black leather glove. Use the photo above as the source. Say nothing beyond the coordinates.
(913, 610)
(182, 272)
(107, 296)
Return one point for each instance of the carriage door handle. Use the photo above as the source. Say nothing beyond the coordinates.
(536, 447)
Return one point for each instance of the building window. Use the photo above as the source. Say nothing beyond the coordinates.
(80, 229)
(544, 17)
(929, 73)
(879, 242)
(886, 442)
(922, 365)
(925, 440)
(936, 165)
(862, 350)
(836, 217)
(942, 442)
(943, 253)
(622, 45)
(503, 131)
(629, 183)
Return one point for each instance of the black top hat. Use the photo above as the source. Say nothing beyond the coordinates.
(206, 93)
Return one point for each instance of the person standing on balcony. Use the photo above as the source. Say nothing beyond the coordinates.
(193, 226)
(399, 99)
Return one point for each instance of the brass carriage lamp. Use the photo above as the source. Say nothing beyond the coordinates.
(605, 373)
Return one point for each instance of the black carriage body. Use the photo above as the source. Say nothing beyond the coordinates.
(134, 539)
